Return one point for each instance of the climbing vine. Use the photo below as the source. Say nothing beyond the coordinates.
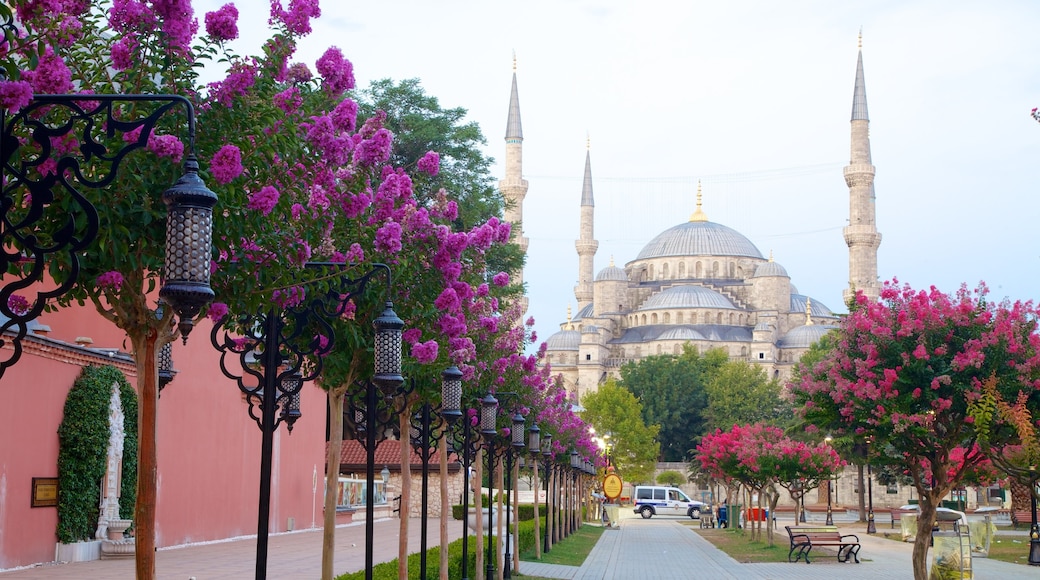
(83, 450)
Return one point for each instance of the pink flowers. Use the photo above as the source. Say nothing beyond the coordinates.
(500, 279)
(166, 146)
(217, 311)
(17, 304)
(110, 280)
(14, 95)
(388, 238)
(425, 352)
(226, 164)
(430, 163)
(264, 200)
(337, 72)
(222, 24)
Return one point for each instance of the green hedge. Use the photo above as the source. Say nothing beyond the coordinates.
(388, 570)
(524, 512)
(83, 451)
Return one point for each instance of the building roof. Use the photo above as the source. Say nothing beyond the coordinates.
(859, 93)
(586, 186)
(687, 297)
(513, 129)
(564, 340)
(353, 456)
(770, 269)
(699, 238)
(804, 336)
(713, 332)
(584, 312)
(613, 274)
(818, 308)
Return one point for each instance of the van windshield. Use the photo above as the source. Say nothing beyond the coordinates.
(682, 497)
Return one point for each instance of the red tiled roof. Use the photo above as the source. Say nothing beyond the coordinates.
(388, 452)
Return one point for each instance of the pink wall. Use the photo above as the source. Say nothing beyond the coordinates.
(209, 447)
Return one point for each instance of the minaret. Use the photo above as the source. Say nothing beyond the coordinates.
(514, 186)
(586, 243)
(861, 234)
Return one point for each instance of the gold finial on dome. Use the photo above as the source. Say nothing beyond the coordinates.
(612, 260)
(770, 255)
(698, 216)
(568, 314)
(808, 311)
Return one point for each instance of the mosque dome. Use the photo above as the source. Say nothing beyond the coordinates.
(681, 333)
(564, 340)
(612, 273)
(687, 297)
(699, 238)
(585, 312)
(770, 269)
(817, 307)
(805, 336)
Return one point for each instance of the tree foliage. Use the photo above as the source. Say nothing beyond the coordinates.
(907, 370)
(739, 393)
(633, 449)
(672, 390)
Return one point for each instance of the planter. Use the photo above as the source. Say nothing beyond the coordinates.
(493, 525)
(78, 551)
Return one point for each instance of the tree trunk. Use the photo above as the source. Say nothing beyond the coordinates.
(332, 458)
(550, 506)
(145, 357)
(445, 506)
(537, 521)
(929, 500)
(405, 424)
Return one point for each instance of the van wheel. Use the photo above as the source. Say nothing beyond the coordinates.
(695, 513)
(647, 512)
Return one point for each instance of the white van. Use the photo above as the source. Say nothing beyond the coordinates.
(651, 500)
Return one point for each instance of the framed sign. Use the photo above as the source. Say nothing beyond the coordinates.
(44, 492)
(612, 486)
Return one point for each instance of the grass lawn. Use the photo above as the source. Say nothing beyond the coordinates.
(570, 551)
(737, 544)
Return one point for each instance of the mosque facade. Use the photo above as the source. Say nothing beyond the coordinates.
(700, 283)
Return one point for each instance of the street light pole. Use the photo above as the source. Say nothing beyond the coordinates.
(489, 429)
(830, 517)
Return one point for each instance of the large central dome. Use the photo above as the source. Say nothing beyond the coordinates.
(699, 238)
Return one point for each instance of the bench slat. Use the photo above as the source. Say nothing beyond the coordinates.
(803, 538)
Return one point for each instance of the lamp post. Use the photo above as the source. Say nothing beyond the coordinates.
(1034, 527)
(534, 448)
(516, 444)
(274, 348)
(830, 489)
(424, 438)
(465, 446)
(488, 428)
(871, 528)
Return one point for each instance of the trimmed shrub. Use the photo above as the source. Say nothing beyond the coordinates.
(83, 451)
(524, 512)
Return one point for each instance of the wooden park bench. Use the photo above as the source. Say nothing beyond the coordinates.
(804, 538)
(1021, 518)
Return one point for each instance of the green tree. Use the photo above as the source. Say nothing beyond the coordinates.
(672, 391)
(673, 478)
(739, 393)
(613, 409)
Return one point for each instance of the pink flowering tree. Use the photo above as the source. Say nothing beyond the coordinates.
(278, 144)
(907, 370)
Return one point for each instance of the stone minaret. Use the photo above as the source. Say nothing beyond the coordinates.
(586, 243)
(861, 234)
(514, 186)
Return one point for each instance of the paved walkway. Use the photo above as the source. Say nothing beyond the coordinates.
(661, 549)
(290, 555)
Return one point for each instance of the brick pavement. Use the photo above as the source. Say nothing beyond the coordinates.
(290, 555)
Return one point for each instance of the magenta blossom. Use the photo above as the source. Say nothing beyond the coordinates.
(500, 279)
(222, 24)
(110, 280)
(264, 200)
(17, 304)
(217, 311)
(226, 164)
(430, 163)
(337, 72)
(166, 146)
(14, 95)
(425, 352)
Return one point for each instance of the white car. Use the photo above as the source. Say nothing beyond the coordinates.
(651, 500)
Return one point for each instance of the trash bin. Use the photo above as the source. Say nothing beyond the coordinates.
(724, 515)
(951, 556)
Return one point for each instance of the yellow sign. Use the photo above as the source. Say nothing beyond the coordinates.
(612, 486)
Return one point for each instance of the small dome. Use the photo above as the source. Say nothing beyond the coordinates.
(612, 274)
(564, 340)
(590, 329)
(699, 238)
(763, 325)
(805, 336)
(681, 333)
(818, 308)
(770, 269)
(687, 297)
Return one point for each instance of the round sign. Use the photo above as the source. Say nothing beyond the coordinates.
(612, 486)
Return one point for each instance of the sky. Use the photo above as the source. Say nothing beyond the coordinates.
(753, 100)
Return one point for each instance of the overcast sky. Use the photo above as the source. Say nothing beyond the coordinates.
(751, 98)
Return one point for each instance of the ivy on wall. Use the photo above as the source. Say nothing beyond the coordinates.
(83, 451)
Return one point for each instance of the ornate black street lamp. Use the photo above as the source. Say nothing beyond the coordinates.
(280, 349)
(871, 528)
(830, 516)
(534, 443)
(549, 503)
(489, 429)
(45, 215)
(464, 444)
(516, 445)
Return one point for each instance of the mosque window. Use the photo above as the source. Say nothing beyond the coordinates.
(714, 269)
(718, 318)
(732, 318)
(650, 271)
(588, 357)
(667, 318)
(653, 318)
(698, 268)
(743, 351)
(682, 269)
(761, 356)
(678, 317)
(664, 271)
(732, 269)
(658, 349)
(643, 318)
(677, 349)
